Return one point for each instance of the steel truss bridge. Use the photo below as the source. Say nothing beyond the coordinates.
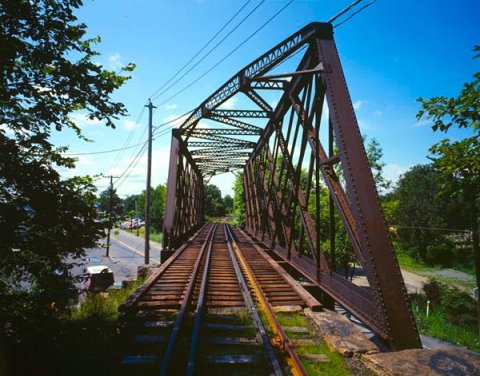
(306, 177)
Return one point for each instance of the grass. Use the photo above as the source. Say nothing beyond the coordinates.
(154, 236)
(104, 306)
(437, 326)
(410, 264)
(288, 319)
(80, 342)
(415, 266)
(336, 364)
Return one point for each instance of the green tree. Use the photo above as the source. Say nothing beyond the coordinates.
(113, 202)
(420, 212)
(214, 206)
(129, 204)
(374, 155)
(46, 74)
(459, 161)
(345, 257)
(390, 204)
(158, 206)
(228, 204)
(158, 198)
(238, 201)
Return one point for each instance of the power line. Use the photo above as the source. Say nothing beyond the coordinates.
(126, 173)
(354, 13)
(434, 228)
(341, 13)
(132, 168)
(153, 96)
(138, 156)
(129, 147)
(209, 52)
(101, 152)
(173, 120)
(127, 141)
(229, 54)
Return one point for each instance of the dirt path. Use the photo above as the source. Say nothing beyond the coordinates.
(451, 277)
(413, 282)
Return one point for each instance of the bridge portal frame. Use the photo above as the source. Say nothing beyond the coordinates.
(274, 195)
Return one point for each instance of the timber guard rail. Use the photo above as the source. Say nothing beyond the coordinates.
(290, 164)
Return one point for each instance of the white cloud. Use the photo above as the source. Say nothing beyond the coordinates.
(170, 106)
(365, 126)
(82, 120)
(358, 104)
(115, 61)
(422, 123)
(129, 124)
(135, 182)
(174, 120)
(393, 171)
(83, 166)
(377, 113)
(224, 182)
(229, 103)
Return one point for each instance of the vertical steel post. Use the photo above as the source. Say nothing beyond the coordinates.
(384, 273)
(331, 208)
(168, 223)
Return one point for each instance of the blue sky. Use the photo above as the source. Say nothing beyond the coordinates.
(392, 53)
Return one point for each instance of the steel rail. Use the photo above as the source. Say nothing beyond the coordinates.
(201, 304)
(293, 360)
(251, 306)
(140, 292)
(184, 306)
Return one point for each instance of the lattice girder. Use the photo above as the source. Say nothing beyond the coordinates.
(309, 190)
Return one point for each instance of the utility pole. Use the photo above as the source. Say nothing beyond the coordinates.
(110, 209)
(136, 217)
(150, 107)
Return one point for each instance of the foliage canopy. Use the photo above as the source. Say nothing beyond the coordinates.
(46, 74)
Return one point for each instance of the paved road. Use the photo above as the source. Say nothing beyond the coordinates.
(126, 254)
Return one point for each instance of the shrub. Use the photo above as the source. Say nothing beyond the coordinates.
(433, 291)
(458, 306)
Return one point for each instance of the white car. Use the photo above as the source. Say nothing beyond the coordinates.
(98, 278)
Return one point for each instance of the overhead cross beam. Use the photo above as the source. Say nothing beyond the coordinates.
(309, 194)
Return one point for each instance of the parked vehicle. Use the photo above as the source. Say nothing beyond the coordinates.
(98, 278)
(132, 225)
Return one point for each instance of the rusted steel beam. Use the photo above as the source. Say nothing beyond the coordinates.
(258, 100)
(284, 202)
(239, 144)
(216, 150)
(390, 289)
(198, 132)
(183, 207)
(171, 192)
(269, 85)
(317, 69)
(235, 123)
(239, 113)
(221, 140)
(265, 62)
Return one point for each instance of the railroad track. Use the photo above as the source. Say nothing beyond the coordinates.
(200, 312)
